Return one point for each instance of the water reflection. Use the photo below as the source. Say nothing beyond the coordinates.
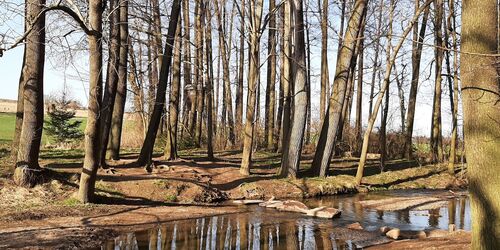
(262, 228)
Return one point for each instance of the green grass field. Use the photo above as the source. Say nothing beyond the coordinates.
(8, 125)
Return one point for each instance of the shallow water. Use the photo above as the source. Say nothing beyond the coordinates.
(266, 228)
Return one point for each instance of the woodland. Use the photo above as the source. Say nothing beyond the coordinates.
(194, 103)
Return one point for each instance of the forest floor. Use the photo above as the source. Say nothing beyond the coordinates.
(193, 186)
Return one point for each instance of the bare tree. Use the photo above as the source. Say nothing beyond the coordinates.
(389, 66)
(330, 126)
(290, 159)
(436, 139)
(418, 38)
(147, 147)
(271, 81)
(28, 172)
(480, 93)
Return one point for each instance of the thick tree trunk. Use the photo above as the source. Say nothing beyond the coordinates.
(19, 111)
(436, 139)
(331, 124)
(255, 10)
(110, 86)
(373, 116)
(147, 147)
(92, 135)
(271, 81)
(28, 172)
(480, 88)
(121, 90)
(290, 160)
(418, 38)
(173, 100)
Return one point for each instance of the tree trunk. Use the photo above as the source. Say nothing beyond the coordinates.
(28, 172)
(271, 81)
(147, 147)
(454, 89)
(209, 76)
(19, 111)
(325, 79)
(110, 86)
(173, 100)
(359, 90)
(330, 125)
(290, 160)
(436, 134)
(255, 10)
(376, 65)
(121, 90)
(286, 77)
(373, 116)
(480, 90)
(189, 99)
(92, 135)
(200, 92)
(228, 102)
(239, 90)
(418, 38)
(385, 109)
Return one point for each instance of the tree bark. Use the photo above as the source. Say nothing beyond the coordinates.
(209, 76)
(454, 88)
(239, 89)
(173, 100)
(147, 147)
(325, 79)
(480, 93)
(331, 124)
(121, 90)
(28, 172)
(255, 10)
(92, 135)
(111, 84)
(418, 38)
(271, 81)
(290, 160)
(436, 139)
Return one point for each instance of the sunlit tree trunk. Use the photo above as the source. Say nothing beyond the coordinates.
(436, 139)
(173, 100)
(330, 126)
(418, 38)
(290, 160)
(255, 10)
(239, 89)
(28, 172)
(121, 90)
(271, 81)
(111, 84)
(454, 88)
(92, 136)
(480, 93)
(325, 79)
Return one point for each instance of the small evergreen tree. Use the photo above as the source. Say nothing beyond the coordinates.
(60, 127)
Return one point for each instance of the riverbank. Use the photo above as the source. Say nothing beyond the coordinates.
(191, 186)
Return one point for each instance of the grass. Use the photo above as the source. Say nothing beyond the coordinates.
(8, 125)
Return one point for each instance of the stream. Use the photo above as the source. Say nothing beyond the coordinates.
(267, 228)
